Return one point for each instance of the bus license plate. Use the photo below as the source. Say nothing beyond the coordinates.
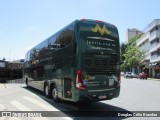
(102, 97)
(111, 82)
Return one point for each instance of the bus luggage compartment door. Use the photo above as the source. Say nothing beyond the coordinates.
(67, 87)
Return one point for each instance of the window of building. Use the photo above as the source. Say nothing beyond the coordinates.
(154, 53)
(155, 41)
(158, 52)
(155, 28)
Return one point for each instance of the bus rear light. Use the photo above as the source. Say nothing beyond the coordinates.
(83, 19)
(91, 20)
(79, 81)
(99, 21)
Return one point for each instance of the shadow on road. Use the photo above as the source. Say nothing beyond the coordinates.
(78, 111)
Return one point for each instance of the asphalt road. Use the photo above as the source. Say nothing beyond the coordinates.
(136, 95)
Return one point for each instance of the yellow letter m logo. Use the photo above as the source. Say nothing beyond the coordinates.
(102, 31)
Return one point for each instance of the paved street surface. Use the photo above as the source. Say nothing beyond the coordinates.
(136, 95)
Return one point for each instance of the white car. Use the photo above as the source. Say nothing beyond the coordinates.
(128, 75)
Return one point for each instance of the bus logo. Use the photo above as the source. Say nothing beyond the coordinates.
(101, 30)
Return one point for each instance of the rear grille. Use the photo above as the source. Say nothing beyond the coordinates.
(100, 72)
(100, 66)
(100, 62)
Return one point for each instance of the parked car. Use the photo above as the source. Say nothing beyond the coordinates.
(134, 75)
(128, 75)
(142, 75)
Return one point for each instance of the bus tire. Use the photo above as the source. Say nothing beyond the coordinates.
(47, 91)
(54, 92)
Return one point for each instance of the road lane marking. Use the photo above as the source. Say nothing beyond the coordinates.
(1, 106)
(20, 106)
(44, 106)
(40, 104)
(24, 108)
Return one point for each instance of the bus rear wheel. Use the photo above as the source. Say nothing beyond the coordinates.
(55, 93)
(46, 91)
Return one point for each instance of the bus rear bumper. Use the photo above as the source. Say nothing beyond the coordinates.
(99, 96)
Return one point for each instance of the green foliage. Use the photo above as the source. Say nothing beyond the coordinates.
(132, 41)
(123, 47)
(132, 56)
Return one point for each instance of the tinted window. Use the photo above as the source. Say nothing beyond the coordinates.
(42, 48)
(61, 39)
(27, 57)
(39, 50)
(64, 38)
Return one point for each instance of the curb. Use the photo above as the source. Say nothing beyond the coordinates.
(154, 79)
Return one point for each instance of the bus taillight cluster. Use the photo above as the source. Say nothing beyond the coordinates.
(79, 81)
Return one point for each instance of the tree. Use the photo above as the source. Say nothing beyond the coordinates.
(123, 47)
(133, 58)
(132, 55)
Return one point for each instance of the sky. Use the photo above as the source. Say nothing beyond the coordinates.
(25, 23)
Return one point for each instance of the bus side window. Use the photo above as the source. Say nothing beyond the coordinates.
(61, 39)
(27, 56)
(51, 44)
(64, 38)
(60, 42)
(67, 36)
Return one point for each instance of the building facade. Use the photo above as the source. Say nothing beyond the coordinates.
(150, 44)
(10, 70)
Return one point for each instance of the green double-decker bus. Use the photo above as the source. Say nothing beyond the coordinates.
(78, 63)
